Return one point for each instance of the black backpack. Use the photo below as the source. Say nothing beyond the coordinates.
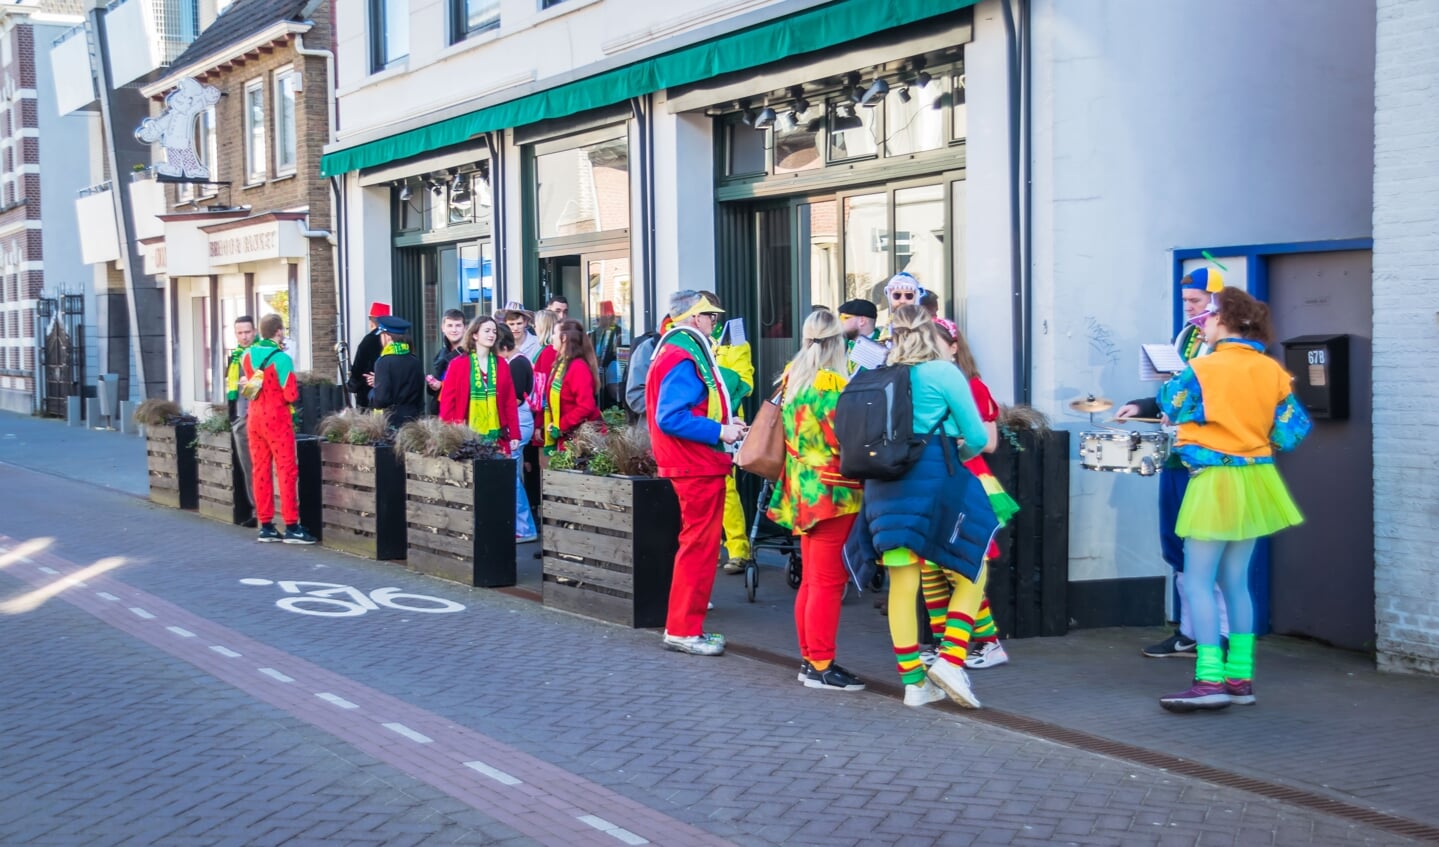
(874, 423)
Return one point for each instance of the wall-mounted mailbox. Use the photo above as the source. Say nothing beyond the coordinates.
(1320, 364)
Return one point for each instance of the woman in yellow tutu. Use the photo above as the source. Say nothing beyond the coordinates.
(1234, 408)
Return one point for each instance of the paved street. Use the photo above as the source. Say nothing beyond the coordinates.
(158, 691)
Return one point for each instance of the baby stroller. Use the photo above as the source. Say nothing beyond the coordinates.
(775, 538)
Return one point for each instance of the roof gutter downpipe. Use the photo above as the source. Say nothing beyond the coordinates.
(1021, 219)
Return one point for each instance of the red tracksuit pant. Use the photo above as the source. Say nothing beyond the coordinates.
(701, 524)
(816, 606)
(273, 438)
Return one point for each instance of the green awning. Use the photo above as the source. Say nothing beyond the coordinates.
(816, 29)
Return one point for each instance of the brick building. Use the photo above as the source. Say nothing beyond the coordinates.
(252, 236)
(28, 113)
(1406, 333)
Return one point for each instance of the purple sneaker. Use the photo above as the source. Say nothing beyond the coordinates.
(1200, 695)
(1241, 691)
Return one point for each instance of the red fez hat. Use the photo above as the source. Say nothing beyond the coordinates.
(379, 310)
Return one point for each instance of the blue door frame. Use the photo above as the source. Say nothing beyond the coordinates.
(1256, 259)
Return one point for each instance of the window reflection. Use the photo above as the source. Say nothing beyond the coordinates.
(745, 148)
(919, 235)
(916, 125)
(584, 190)
(866, 244)
(851, 131)
(796, 144)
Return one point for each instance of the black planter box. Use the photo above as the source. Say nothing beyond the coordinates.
(1028, 586)
(461, 519)
(364, 494)
(317, 401)
(170, 461)
(609, 546)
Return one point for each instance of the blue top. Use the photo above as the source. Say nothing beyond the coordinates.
(938, 387)
(1182, 400)
(680, 391)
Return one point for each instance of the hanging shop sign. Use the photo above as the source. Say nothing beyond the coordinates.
(174, 129)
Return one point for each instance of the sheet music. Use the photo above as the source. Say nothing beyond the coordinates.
(734, 329)
(867, 354)
(1159, 362)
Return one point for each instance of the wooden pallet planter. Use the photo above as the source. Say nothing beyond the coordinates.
(170, 460)
(1029, 586)
(609, 546)
(364, 495)
(460, 519)
(221, 479)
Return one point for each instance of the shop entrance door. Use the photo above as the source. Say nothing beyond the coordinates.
(597, 285)
(796, 270)
(1322, 571)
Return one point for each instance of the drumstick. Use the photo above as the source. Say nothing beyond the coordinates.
(1135, 420)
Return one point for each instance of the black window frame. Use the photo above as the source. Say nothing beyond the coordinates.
(379, 25)
(459, 21)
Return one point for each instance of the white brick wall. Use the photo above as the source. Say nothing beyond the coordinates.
(1406, 336)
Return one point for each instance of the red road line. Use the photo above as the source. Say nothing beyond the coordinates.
(546, 806)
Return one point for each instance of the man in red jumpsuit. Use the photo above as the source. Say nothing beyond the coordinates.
(269, 382)
(690, 423)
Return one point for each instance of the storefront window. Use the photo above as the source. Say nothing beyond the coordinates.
(744, 148)
(919, 235)
(797, 145)
(915, 117)
(475, 268)
(584, 190)
(866, 246)
(851, 131)
(959, 112)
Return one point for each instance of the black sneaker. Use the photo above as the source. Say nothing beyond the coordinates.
(833, 678)
(1175, 646)
(268, 533)
(297, 535)
(804, 670)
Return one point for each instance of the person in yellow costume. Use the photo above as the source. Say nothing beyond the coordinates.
(736, 367)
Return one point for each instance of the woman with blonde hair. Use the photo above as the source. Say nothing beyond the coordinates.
(813, 499)
(905, 522)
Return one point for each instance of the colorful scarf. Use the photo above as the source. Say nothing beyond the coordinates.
(399, 348)
(484, 409)
(1192, 343)
(552, 407)
(694, 343)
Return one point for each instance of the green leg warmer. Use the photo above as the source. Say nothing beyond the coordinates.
(1209, 666)
(1241, 656)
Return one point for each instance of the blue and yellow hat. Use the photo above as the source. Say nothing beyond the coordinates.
(1203, 279)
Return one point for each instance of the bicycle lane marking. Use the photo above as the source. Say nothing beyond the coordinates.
(538, 799)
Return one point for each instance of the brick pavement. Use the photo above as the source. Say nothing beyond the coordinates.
(731, 747)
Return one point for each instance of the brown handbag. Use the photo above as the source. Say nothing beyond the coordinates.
(762, 452)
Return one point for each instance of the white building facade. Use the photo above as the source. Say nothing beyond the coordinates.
(1050, 170)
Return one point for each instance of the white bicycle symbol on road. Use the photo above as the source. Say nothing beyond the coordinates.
(333, 600)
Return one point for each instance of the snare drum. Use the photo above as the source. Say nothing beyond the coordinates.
(1124, 452)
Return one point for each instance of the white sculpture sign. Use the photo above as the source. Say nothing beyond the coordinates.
(175, 129)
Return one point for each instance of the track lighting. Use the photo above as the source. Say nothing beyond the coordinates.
(405, 193)
(903, 94)
(748, 115)
(845, 119)
(765, 119)
(874, 94)
(787, 122)
(460, 197)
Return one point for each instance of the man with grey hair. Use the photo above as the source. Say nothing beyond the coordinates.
(691, 427)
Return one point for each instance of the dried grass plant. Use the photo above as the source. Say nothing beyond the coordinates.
(157, 412)
(352, 426)
(313, 378)
(1023, 417)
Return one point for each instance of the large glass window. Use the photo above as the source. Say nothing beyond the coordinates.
(919, 235)
(797, 144)
(914, 118)
(852, 131)
(744, 149)
(286, 86)
(866, 247)
(389, 32)
(476, 269)
(473, 16)
(584, 189)
(255, 168)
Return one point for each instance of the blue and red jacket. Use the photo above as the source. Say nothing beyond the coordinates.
(686, 441)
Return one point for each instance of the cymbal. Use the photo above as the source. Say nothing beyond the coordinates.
(1091, 404)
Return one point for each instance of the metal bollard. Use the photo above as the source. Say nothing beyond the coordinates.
(92, 413)
(127, 418)
(73, 410)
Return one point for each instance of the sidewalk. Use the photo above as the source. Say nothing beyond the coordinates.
(1329, 732)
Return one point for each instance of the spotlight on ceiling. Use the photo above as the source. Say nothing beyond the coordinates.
(798, 103)
(922, 79)
(787, 122)
(903, 94)
(748, 115)
(874, 94)
(460, 196)
(845, 119)
(765, 119)
(405, 193)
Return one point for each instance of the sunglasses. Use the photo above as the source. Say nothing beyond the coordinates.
(902, 295)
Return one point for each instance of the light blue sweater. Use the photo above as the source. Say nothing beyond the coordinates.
(940, 386)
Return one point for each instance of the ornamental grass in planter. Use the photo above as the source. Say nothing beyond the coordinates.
(459, 504)
(221, 484)
(363, 485)
(169, 453)
(610, 528)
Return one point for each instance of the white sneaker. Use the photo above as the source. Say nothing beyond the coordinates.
(708, 644)
(989, 654)
(929, 654)
(922, 694)
(955, 682)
